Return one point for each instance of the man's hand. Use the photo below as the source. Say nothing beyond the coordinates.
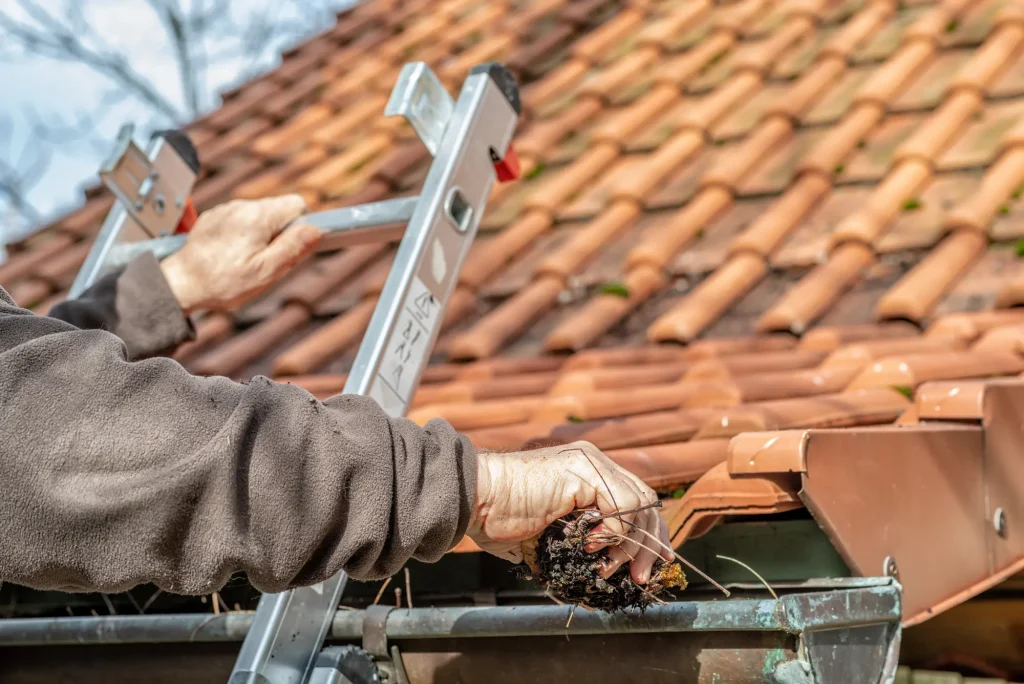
(236, 250)
(519, 494)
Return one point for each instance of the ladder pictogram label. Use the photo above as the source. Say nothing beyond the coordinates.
(409, 346)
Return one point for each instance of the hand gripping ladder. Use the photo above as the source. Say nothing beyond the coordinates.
(153, 187)
(470, 142)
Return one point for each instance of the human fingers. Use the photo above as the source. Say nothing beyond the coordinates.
(276, 213)
(657, 537)
(287, 249)
(618, 502)
(646, 533)
(637, 549)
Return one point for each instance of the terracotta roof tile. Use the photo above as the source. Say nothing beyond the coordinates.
(847, 409)
(737, 17)
(917, 293)
(832, 337)
(626, 356)
(950, 400)
(29, 292)
(762, 452)
(718, 494)
(663, 30)
(666, 467)
(658, 427)
(803, 304)
(327, 342)
(673, 153)
(87, 220)
(859, 354)
(1000, 182)
(211, 329)
(766, 232)
(660, 244)
(498, 326)
(895, 194)
(972, 325)
(713, 296)
(913, 369)
(24, 263)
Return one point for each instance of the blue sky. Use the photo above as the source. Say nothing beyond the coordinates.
(62, 91)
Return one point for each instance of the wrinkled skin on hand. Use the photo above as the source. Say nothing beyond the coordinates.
(237, 250)
(519, 494)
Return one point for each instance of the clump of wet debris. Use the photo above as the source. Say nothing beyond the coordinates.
(558, 561)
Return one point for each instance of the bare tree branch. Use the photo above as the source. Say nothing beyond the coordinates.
(177, 29)
(52, 38)
(204, 37)
(20, 174)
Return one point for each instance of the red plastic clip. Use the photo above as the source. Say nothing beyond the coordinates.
(508, 167)
(188, 217)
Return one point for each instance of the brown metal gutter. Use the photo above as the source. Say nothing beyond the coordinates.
(938, 504)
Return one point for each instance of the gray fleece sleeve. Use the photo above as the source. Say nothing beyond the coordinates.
(117, 473)
(135, 304)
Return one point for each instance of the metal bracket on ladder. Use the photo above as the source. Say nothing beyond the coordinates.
(470, 142)
(153, 192)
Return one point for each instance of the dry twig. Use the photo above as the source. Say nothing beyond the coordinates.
(110, 604)
(149, 601)
(408, 590)
(677, 556)
(135, 603)
(381, 592)
(752, 572)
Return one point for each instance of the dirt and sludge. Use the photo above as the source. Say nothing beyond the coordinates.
(559, 562)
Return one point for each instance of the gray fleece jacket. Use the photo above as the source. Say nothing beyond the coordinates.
(116, 472)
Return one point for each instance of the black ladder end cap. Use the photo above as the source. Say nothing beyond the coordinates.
(183, 145)
(504, 79)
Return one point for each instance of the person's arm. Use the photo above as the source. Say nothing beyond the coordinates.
(234, 252)
(117, 473)
(136, 304)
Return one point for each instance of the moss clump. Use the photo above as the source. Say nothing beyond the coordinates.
(908, 392)
(616, 289)
(535, 171)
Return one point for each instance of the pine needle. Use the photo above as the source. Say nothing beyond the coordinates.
(754, 573)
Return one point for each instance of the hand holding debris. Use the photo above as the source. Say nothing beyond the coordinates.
(237, 250)
(520, 494)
